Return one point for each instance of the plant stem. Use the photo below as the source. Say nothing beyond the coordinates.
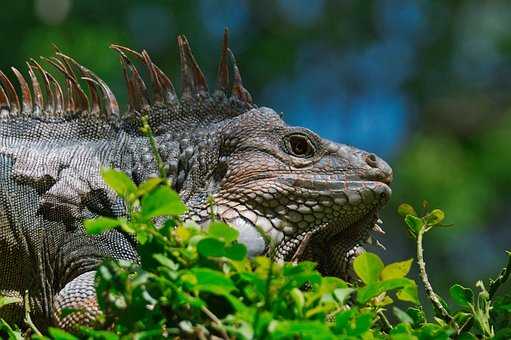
(267, 303)
(28, 319)
(385, 322)
(503, 276)
(216, 320)
(433, 297)
(146, 129)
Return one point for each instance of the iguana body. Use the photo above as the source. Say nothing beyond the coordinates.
(318, 200)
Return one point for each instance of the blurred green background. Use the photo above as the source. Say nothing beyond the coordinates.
(425, 84)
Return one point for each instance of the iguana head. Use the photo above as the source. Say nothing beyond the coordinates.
(316, 199)
(290, 193)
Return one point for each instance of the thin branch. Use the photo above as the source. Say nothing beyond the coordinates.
(501, 279)
(387, 327)
(28, 319)
(433, 297)
(148, 132)
(217, 321)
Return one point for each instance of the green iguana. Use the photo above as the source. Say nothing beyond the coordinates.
(316, 199)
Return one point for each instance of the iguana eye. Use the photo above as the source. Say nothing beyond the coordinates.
(299, 146)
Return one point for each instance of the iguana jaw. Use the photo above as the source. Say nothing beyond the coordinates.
(293, 210)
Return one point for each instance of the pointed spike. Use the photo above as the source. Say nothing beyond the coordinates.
(11, 93)
(79, 99)
(200, 83)
(223, 67)
(157, 88)
(379, 244)
(169, 92)
(125, 49)
(50, 97)
(71, 95)
(58, 93)
(25, 90)
(187, 86)
(237, 88)
(38, 94)
(59, 66)
(95, 104)
(72, 86)
(137, 90)
(167, 88)
(379, 221)
(378, 229)
(112, 107)
(4, 101)
(76, 99)
(141, 96)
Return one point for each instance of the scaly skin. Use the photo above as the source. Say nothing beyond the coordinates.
(317, 200)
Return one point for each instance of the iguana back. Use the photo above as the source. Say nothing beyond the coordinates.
(316, 199)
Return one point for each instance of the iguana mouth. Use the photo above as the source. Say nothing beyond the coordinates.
(296, 213)
(333, 246)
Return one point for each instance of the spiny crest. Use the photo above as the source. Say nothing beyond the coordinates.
(43, 97)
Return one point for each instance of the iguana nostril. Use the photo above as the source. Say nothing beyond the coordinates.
(371, 160)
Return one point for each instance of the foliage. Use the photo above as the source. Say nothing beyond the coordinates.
(194, 283)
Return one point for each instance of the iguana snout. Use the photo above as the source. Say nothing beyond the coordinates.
(290, 185)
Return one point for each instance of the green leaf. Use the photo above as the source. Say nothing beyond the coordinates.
(343, 320)
(211, 247)
(223, 231)
(8, 300)
(121, 183)
(409, 294)
(298, 299)
(414, 223)
(11, 333)
(435, 217)
(396, 270)
(236, 251)
(342, 294)
(461, 295)
(368, 267)
(417, 314)
(402, 315)
(299, 330)
(165, 261)
(162, 202)
(59, 334)
(101, 224)
(212, 281)
(373, 289)
(406, 209)
(148, 186)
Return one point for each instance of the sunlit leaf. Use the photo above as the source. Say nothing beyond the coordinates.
(396, 270)
(101, 224)
(406, 209)
(402, 315)
(414, 224)
(121, 183)
(342, 294)
(368, 267)
(59, 334)
(223, 231)
(162, 202)
(461, 295)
